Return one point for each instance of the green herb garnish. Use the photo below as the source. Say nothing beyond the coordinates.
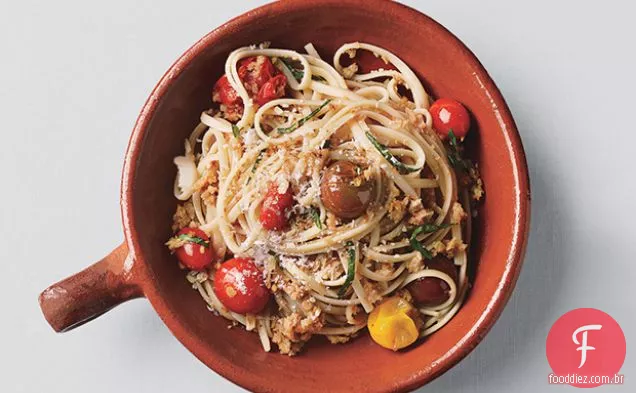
(298, 74)
(417, 246)
(315, 215)
(426, 228)
(256, 162)
(193, 239)
(388, 156)
(236, 131)
(351, 269)
(326, 144)
(304, 120)
(454, 155)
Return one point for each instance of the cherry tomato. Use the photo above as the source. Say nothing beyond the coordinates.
(240, 287)
(275, 207)
(272, 89)
(224, 93)
(197, 253)
(261, 79)
(368, 62)
(340, 195)
(433, 291)
(448, 115)
(254, 72)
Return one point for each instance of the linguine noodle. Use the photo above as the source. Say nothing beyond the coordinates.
(331, 113)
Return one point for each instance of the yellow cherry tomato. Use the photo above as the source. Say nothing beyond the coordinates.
(391, 324)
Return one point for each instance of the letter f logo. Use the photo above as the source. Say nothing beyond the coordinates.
(583, 344)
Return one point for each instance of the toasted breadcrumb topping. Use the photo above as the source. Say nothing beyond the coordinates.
(184, 216)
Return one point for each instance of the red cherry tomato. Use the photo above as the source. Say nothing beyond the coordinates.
(448, 115)
(254, 72)
(240, 287)
(224, 93)
(433, 291)
(197, 253)
(261, 79)
(368, 62)
(275, 207)
(271, 90)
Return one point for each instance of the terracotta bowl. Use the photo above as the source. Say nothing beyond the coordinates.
(143, 267)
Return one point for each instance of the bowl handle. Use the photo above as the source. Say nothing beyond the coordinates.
(91, 292)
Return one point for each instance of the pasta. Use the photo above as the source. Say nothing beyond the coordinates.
(330, 191)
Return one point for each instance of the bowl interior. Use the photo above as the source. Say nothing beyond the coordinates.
(447, 69)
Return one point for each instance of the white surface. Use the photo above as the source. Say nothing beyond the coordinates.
(74, 76)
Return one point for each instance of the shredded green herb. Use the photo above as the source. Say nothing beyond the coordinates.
(315, 215)
(351, 269)
(417, 246)
(326, 144)
(193, 239)
(298, 74)
(304, 120)
(236, 131)
(256, 162)
(454, 155)
(426, 228)
(390, 157)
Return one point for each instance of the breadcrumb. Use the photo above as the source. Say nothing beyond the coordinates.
(338, 339)
(457, 213)
(415, 264)
(419, 214)
(183, 217)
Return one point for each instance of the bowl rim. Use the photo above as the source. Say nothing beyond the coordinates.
(520, 227)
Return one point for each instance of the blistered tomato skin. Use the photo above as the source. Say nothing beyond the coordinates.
(433, 291)
(393, 324)
(272, 89)
(193, 255)
(339, 192)
(448, 115)
(275, 207)
(262, 81)
(239, 285)
(224, 93)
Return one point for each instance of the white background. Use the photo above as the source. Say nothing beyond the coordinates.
(74, 75)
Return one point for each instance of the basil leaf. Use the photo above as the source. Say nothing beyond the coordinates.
(351, 269)
(236, 131)
(315, 214)
(304, 120)
(384, 151)
(452, 139)
(454, 156)
(417, 246)
(298, 74)
(426, 228)
(193, 239)
(256, 162)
